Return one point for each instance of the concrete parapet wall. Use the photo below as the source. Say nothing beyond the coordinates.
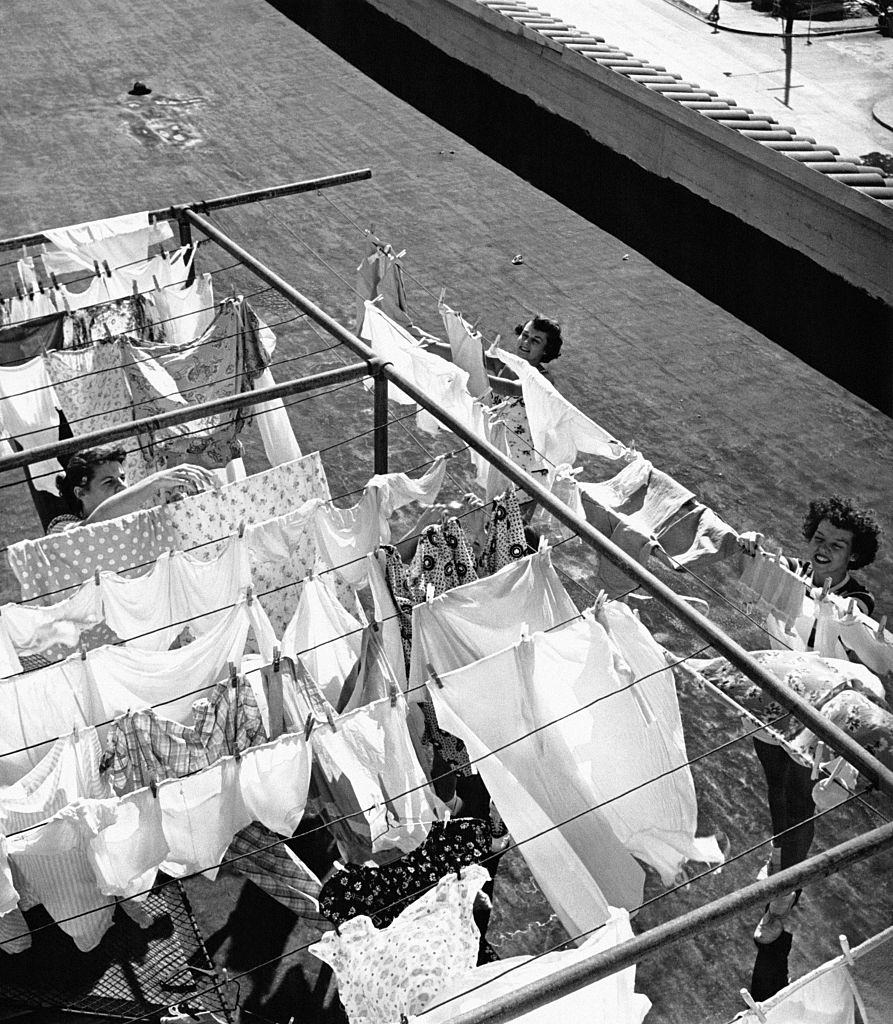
(842, 230)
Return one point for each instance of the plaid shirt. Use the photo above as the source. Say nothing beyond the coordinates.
(143, 749)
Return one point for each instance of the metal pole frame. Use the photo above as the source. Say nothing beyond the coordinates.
(380, 444)
(877, 773)
(220, 203)
(150, 424)
(628, 953)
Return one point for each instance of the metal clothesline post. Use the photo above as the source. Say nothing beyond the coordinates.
(380, 434)
(593, 968)
(836, 738)
(220, 203)
(151, 424)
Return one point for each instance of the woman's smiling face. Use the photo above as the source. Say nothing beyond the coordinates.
(532, 344)
(829, 551)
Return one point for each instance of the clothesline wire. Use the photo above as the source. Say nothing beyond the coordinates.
(194, 547)
(121, 366)
(119, 266)
(130, 294)
(413, 789)
(344, 280)
(224, 608)
(185, 391)
(198, 430)
(591, 931)
(668, 892)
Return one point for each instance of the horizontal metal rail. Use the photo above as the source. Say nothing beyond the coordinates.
(223, 202)
(151, 424)
(625, 954)
(836, 738)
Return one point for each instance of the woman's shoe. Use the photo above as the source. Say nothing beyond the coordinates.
(772, 923)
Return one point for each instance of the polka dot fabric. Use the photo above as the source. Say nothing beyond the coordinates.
(383, 974)
(61, 561)
(505, 535)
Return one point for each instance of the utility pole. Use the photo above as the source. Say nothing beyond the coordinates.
(786, 9)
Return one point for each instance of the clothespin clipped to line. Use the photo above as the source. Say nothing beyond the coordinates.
(107, 268)
(233, 674)
(96, 577)
(753, 1006)
(249, 595)
(392, 693)
(434, 675)
(241, 529)
(277, 659)
(826, 588)
(330, 719)
(55, 280)
(82, 647)
(880, 628)
(308, 726)
(96, 269)
(109, 337)
(155, 283)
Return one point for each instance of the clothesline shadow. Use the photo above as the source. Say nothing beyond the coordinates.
(256, 929)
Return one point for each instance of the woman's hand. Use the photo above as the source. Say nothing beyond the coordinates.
(188, 478)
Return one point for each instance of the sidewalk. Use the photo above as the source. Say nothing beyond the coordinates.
(837, 79)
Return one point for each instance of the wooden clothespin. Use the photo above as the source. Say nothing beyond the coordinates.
(331, 720)
(880, 628)
(40, 287)
(163, 254)
(18, 290)
(25, 252)
(392, 693)
(241, 529)
(308, 726)
(65, 302)
(109, 337)
(82, 647)
(429, 593)
(107, 268)
(249, 595)
(845, 949)
(54, 280)
(155, 283)
(136, 289)
(96, 577)
(777, 560)
(826, 588)
(753, 1006)
(153, 787)
(233, 674)
(96, 269)
(434, 675)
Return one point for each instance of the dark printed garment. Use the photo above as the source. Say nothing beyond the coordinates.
(505, 539)
(382, 893)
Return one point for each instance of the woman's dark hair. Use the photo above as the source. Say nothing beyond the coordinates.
(81, 469)
(845, 514)
(552, 331)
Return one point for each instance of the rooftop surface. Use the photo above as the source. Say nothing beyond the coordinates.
(242, 99)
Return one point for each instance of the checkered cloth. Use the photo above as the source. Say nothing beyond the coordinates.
(277, 870)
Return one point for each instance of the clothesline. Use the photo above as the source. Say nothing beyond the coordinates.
(444, 775)
(133, 362)
(131, 294)
(182, 391)
(200, 429)
(668, 892)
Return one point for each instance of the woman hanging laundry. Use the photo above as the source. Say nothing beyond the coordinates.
(94, 489)
(539, 343)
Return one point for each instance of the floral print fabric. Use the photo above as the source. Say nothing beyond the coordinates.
(400, 969)
(810, 676)
(382, 893)
(506, 541)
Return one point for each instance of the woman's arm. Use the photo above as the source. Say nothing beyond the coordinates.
(189, 478)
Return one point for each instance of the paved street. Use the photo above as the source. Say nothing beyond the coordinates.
(837, 79)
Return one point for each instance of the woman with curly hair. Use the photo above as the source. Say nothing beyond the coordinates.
(841, 536)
